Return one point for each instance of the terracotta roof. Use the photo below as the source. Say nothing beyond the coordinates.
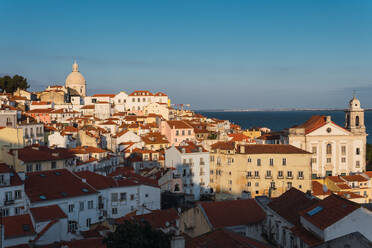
(154, 138)
(240, 212)
(87, 107)
(121, 133)
(343, 186)
(87, 149)
(289, 205)
(104, 95)
(17, 226)
(40, 103)
(160, 94)
(70, 129)
(349, 195)
(179, 125)
(157, 218)
(336, 179)
(306, 236)
(223, 145)
(37, 111)
(318, 189)
(42, 153)
(51, 212)
(355, 178)
(332, 209)
(238, 137)
(315, 122)
(141, 93)
(222, 238)
(190, 147)
(53, 185)
(271, 149)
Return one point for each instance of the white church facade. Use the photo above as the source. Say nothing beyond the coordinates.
(336, 150)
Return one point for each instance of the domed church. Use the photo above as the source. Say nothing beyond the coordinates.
(75, 82)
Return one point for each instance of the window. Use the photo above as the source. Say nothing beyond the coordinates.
(114, 211)
(230, 181)
(123, 196)
(9, 196)
(313, 150)
(257, 174)
(313, 160)
(132, 197)
(54, 165)
(249, 160)
(189, 132)
(71, 208)
(329, 149)
(72, 226)
(280, 174)
(300, 174)
(284, 161)
(38, 167)
(249, 174)
(177, 133)
(271, 161)
(258, 162)
(289, 185)
(357, 121)
(17, 210)
(357, 151)
(18, 194)
(268, 173)
(357, 164)
(212, 158)
(329, 160)
(343, 150)
(249, 184)
(90, 204)
(272, 185)
(289, 174)
(343, 160)
(183, 132)
(29, 168)
(88, 222)
(81, 206)
(256, 184)
(4, 212)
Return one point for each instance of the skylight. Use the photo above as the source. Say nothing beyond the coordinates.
(85, 190)
(315, 211)
(43, 197)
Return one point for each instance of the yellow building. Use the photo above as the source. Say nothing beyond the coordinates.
(252, 133)
(12, 137)
(38, 158)
(258, 169)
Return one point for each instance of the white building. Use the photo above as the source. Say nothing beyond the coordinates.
(77, 199)
(120, 101)
(12, 192)
(119, 195)
(336, 150)
(192, 163)
(61, 140)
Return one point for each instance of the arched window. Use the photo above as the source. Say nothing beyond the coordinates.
(329, 149)
(347, 120)
(357, 121)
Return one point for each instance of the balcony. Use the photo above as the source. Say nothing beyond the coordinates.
(8, 202)
(280, 177)
(289, 177)
(248, 176)
(268, 177)
(300, 177)
(256, 177)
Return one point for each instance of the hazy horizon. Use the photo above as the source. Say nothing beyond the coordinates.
(210, 54)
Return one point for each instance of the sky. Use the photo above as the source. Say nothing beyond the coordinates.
(211, 54)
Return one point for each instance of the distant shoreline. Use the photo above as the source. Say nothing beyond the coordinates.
(268, 110)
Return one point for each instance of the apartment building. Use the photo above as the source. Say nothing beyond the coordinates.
(258, 169)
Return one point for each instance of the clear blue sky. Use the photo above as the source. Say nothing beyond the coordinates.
(211, 54)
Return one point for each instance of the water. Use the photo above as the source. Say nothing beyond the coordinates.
(279, 120)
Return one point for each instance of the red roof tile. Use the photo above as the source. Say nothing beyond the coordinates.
(289, 205)
(240, 212)
(51, 212)
(157, 218)
(18, 226)
(56, 184)
(318, 189)
(42, 153)
(141, 93)
(355, 178)
(222, 238)
(333, 209)
(179, 125)
(104, 95)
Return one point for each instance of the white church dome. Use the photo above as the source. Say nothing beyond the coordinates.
(75, 77)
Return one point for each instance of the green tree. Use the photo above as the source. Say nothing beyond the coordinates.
(10, 84)
(133, 234)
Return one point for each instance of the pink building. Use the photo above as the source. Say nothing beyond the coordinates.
(177, 131)
(42, 115)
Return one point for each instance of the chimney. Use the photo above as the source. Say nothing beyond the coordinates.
(328, 118)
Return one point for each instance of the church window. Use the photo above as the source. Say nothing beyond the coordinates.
(357, 121)
(313, 149)
(343, 150)
(357, 151)
(329, 149)
(133, 99)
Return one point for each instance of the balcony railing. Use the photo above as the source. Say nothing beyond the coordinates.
(280, 177)
(268, 177)
(8, 202)
(289, 177)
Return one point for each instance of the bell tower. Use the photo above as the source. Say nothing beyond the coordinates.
(354, 117)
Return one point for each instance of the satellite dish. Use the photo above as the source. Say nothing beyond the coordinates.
(325, 189)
